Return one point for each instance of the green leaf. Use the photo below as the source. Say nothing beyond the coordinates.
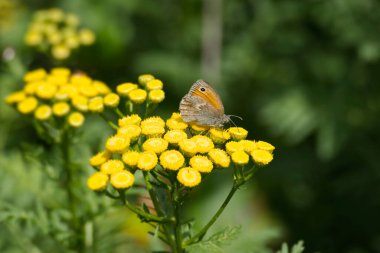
(297, 248)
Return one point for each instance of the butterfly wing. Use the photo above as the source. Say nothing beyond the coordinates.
(203, 90)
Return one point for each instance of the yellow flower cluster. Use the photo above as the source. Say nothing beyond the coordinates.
(149, 89)
(60, 94)
(57, 32)
(172, 147)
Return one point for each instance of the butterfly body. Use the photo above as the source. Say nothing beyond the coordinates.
(203, 106)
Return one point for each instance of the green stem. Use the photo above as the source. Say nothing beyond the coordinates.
(118, 112)
(177, 224)
(109, 122)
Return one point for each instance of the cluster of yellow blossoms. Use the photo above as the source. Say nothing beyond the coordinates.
(57, 32)
(172, 147)
(60, 94)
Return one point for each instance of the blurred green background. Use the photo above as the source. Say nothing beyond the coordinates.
(302, 74)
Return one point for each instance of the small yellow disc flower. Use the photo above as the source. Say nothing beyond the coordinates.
(35, 75)
(33, 38)
(122, 179)
(153, 121)
(124, 88)
(201, 164)
(67, 91)
(154, 84)
(97, 181)
(61, 109)
(176, 124)
(219, 136)
(15, 97)
(30, 88)
(133, 119)
(262, 145)
(240, 158)
(100, 158)
(112, 166)
(147, 161)
(57, 80)
(131, 131)
(46, 90)
(204, 143)
(196, 129)
(88, 90)
(101, 87)
(219, 157)
(96, 104)
(172, 160)
(157, 145)
(238, 133)
(176, 115)
(60, 72)
(80, 103)
(131, 158)
(111, 100)
(117, 144)
(86, 37)
(175, 136)
(143, 79)
(248, 145)
(60, 52)
(137, 96)
(189, 177)
(261, 157)
(81, 80)
(156, 96)
(153, 130)
(188, 147)
(234, 146)
(27, 105)
(76, 119)
(43, 112)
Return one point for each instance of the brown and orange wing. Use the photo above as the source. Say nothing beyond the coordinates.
(203, 90)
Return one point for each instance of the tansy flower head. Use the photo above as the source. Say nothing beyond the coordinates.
(172, 160)
(86, 37)
(157, 145)
(176, 124)
(154, 84)
(175, 136)
(131, 158)
(80, 79)
(238, 133)
(80, 103)
(201, 163)
(143, 79)
(156, 96)
(60, 51)
(56, 80)
(248, 145)
(46, 90)
(111, 100)
(43, 112)
(153, 121)
(122, 179)
(261, 157)
(196, 129)
(15, 97)
(189, 177)
(112, 166)
(88, 90)
(137, 96)
(204, 144)
(35, 75)
(97, 181)
(219, 157)
(176, 115)
(130, 131)
(117, 143)
(60, 72)
(153, 130)
(76, 119)
(147, 161)
(125, 88)
(234, 146)
(240, 158)
(27, 105)
(133, 119)
(61, 109)
(100, 158)
(101, 87)
(262, 145)
(188, 147)
(219, 136)
(96, 104)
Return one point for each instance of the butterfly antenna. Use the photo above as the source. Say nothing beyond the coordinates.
(231, 121)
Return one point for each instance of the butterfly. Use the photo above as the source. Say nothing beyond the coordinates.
(203, 106)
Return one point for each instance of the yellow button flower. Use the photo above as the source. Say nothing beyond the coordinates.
(153, 121)
(60, 51)
(96, 104)
(156, 96)
(176, 115)
(240, 157)
(101, 87)
(154, 84)
(81, 80)
(196, 129)
(27, 105)
(238, 133)
(112, 166)
(100, 158)
(46, 90)
(35, 75)
(219, 136)
(43, 112)
(80, 103)
(117, 144)
(88, 90)
(234, 146)
(261, 157)
(175, 136)
(33, 38)
(137, 96)
(133, 119)
(122, 179)
(60, 72)
(15, 97)
(111, 100)
(176, 124)
(57, 80)
(97, 181)
(189, 177)
(152, 131)
(76, 119)
(30, 88)
(188, 147)
(131, 131)
(201, 163)
(143, 79)
(262, 145)
(157, 145)
(131, 158)
(248, 145)
(124, 88)
(147, 161)
(61, 109)
(86, 37)
(172, 160)
(219, 157)
(204, 144)
(67, 91)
